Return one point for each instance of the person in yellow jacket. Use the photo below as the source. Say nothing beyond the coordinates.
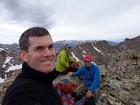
(64, 63)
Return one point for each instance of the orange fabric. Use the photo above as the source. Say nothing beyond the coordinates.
(65, 92)
(66, 88)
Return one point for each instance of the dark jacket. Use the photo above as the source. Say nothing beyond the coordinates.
(32, 87)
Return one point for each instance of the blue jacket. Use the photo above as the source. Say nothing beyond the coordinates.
(91, 76)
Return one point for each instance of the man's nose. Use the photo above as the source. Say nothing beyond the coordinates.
(47, 51)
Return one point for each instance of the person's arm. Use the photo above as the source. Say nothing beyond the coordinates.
(96, 78)
(63, 60)
(78, 72)
(72, 60)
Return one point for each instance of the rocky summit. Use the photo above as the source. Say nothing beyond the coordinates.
(119, 66)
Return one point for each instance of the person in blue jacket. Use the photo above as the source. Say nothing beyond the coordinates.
(91, 78)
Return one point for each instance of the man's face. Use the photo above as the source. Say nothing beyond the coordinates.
(68, 49)
(41, 54)
(87, 63)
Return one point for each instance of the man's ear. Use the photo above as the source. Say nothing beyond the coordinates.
(23, 55)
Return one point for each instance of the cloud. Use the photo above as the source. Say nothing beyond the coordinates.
(32, 12)
(69, 19)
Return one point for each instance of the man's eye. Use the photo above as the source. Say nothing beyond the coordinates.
(51, 46)
(38, 49)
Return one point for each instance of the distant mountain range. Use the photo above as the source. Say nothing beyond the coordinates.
(60, 44)
(98, 49)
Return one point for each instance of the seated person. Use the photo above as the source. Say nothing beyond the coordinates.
(91, 79)
(64, 63)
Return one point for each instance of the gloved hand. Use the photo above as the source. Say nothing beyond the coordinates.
(75, 65)
(70, 67)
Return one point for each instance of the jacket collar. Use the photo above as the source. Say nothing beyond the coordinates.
(32, 73)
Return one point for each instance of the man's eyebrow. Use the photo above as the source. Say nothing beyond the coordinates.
(41, 46)
(38, 46)
(51, 44)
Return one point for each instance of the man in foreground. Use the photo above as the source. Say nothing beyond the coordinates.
(33, 86)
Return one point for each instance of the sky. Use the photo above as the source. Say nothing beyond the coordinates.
(112, 20)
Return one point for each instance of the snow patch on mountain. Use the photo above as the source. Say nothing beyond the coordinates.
(14, 67)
